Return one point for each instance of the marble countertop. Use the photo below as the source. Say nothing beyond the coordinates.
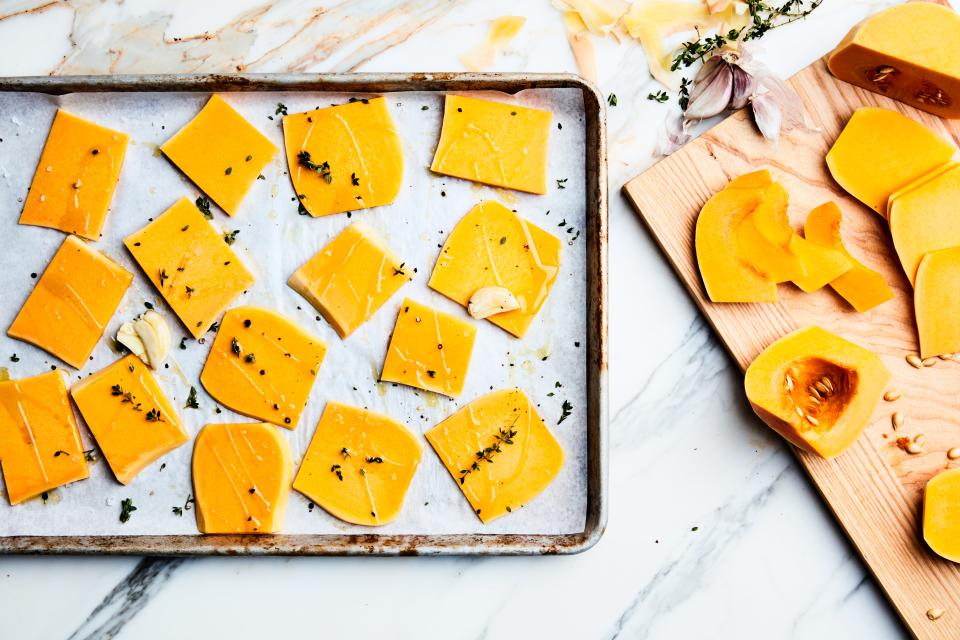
(714, 530)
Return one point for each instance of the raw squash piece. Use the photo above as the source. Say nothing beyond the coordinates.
(344, 158)
(816, 389)
(499, 452)
(241, 478)
(861, 286)
(919, 182)
(880, 151)
(262, 365)
(727, 277)
(499, 144)
(359, 465)
(39, 440)
(221, 153)
(349, 279)
(76, 176)
(941, 514)
(429, 350)
(925, 219)
(936, 300)
(192, 266)
(129, 416)
(822, 265)
(909, 52)
(492, 246)
(72, 302)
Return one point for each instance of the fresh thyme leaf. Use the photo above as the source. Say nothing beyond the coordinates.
(231, 237)
(567, 410)
(612, 99)
(154, 416)
(683, 96)
(323, 169)
(190, 291)
(126, 508)
(561, 183)
(203, 204)
(375, 460)
(302, 210)
(192, 399)
(337, 470)
(659, 96)
(116, 390)
(354, 180)
(183, 343)
(250, 358)
(14, 358)
(177, 511)
(90, 455)
(281, 109)
(235, 347)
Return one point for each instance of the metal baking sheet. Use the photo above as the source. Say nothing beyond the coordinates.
(437, 530)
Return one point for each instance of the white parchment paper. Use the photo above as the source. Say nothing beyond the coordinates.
(549, 364)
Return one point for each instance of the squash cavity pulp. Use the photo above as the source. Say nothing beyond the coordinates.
(816, 389)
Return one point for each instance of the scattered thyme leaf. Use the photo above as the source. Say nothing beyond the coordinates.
(192, 399)
(567, 410)
(659, 96)
(612, 99)
(203, 204)
(231, 236)
(126, 508)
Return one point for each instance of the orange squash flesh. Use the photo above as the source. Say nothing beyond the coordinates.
(941, 514)
(880, 151)
(936, 300)
(816, 389)
(39, 440)
(76, 177)
(241, 478)
(925, 219)
(909, 52)
(727, 277)
(861, 286)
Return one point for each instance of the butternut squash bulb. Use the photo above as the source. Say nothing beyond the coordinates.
(909, 52)
(861, 286)
(936, 300)
(880, 151)
(816, 389)
(941, 514)
(925, 219)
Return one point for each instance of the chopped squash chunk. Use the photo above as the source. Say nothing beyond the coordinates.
(492, 246)
(129, 416)
(72, 302)
(429, 350)
(941, 514)
(861, 286)
(359, 465)
(221, 153)
(937, 302)
(76, 176)
(925, 219)
(241, 478)
(880, 151)
(499, 452)
(495, 143)
(262, 365)
(350, 278)
(39, 440)
(344, 158)
(192, 266)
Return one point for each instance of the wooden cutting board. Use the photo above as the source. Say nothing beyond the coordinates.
(874, 489)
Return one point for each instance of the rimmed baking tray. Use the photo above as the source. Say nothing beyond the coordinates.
(595, 354)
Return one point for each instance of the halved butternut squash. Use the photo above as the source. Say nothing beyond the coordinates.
(941, 514)
(861, 286)
(925, 219)
(909, 52)
(880, 151)
(936, 299)
(816, 389)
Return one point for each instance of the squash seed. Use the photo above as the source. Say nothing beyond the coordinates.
(935, 614)
(919, 439)
(891, 396)
(914, 361)
(929, 362)
(913, 448)
(953, 453)
(800, 412)
(813, 391)
(827, 382)
(812, 420)
(896, 420)
(788, 383)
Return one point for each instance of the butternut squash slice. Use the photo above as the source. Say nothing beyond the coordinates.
(880, 151)
(816, 389)
(241, 478)
(936, 301)
(925, 219)
(861, 286)
(909, 52)
(941, 514)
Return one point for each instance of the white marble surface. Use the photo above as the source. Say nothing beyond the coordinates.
(765, 560)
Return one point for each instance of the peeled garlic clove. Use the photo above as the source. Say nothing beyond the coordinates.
(127, 336)
(743, 88)
(766, 113)
(155, 335)
(711, 95)
(490, 301)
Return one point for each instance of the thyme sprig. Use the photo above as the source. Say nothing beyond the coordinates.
(504, 437)
(323, 169)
